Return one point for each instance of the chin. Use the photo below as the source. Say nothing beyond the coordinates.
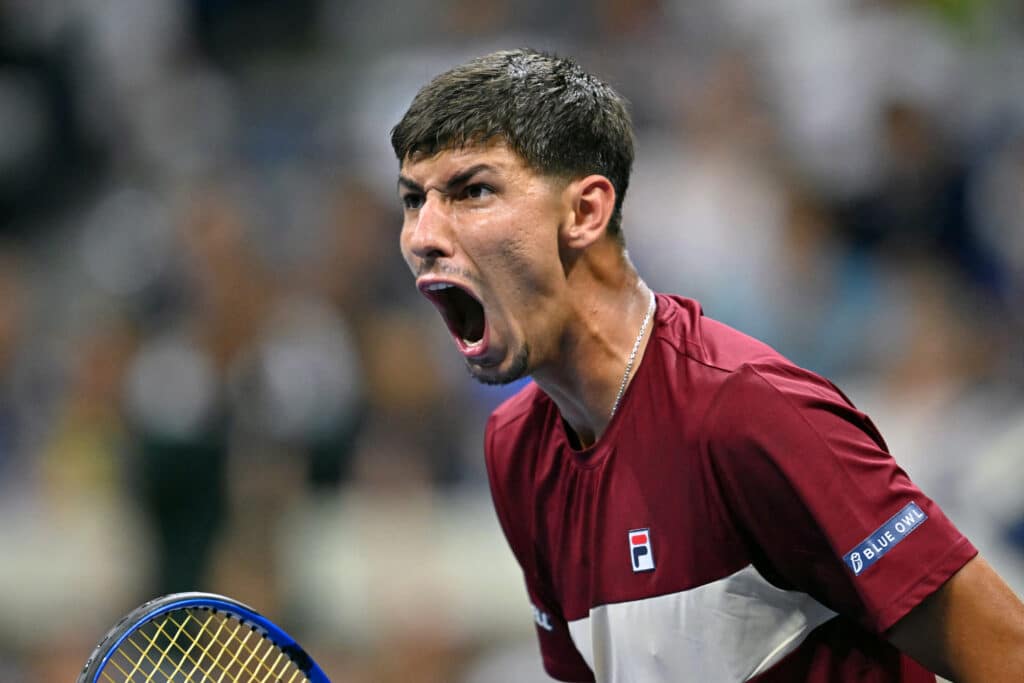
(505, 373)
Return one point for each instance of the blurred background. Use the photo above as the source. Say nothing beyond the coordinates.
(215, 372)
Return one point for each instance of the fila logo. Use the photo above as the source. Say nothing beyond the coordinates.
(640, 550)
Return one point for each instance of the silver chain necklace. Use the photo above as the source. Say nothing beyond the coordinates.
(632, 355)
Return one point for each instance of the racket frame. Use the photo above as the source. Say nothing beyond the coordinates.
(152, 609)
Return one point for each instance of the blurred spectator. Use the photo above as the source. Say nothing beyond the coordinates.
(46, 152)
(919, 202)
(85, 452)
(176, 402)
(718, 166)
(355, 267)
(997, 209)
(12, 421)
(412, 581)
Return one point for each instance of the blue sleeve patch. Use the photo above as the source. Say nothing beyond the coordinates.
(884, 538)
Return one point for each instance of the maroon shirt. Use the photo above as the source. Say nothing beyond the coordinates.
(739, 520)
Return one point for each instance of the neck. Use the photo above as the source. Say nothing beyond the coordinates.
(607, 310)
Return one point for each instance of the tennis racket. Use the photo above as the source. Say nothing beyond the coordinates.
(198, 638)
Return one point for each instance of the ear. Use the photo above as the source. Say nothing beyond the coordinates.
(591, 201)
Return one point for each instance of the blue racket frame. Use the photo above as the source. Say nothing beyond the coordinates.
(177, 601)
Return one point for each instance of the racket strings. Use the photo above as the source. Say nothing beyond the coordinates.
(199, 646)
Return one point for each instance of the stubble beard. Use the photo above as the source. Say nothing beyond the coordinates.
(517, 370)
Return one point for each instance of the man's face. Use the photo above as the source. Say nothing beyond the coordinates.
(480, 233)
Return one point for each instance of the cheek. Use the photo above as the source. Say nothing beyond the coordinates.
(517, 251)
(516, 245)
(403, 246)
(498, 244)
(527, 263)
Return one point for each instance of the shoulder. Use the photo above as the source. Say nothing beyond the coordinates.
(517, 407)
(513, 432)
(516, 418)
(745, 370)
(727, 367)
(779, 383)
(775, 418)
(773, 392)
(511, 464)
(682, 325)
(750, 394)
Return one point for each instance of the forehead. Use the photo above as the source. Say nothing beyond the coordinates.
(497, 156)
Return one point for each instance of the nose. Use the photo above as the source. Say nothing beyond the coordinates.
(428, 231)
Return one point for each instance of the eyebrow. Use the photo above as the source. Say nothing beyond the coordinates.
(456, 180)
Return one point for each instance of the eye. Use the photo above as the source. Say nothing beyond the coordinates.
(412, 201)
(477, 191)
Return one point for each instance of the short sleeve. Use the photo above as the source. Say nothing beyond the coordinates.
(561, 659)
(819, 500)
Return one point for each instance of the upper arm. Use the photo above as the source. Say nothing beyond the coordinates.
(823, 506)
(970, 629)
(810, 479)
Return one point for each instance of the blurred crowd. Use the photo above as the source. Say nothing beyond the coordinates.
(215, 373)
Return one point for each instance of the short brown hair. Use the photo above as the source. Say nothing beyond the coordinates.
(560, 119)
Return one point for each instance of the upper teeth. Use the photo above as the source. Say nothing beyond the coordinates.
(436, 286)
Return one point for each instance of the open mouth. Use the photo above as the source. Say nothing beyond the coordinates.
(461, 311)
